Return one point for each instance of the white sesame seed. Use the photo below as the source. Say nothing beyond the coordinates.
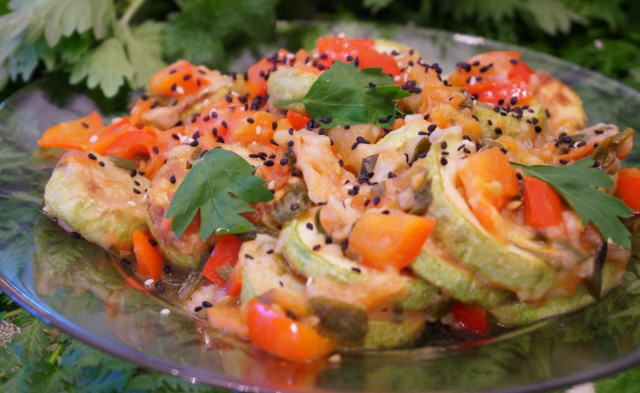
(149, 282)
(179, 90)
(258, 130)
(165, 311)
(271, 184)
(335, 358)
(131, 203)
(93, 138)
(115, 120)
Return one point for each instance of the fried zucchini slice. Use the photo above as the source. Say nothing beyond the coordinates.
(90, 195)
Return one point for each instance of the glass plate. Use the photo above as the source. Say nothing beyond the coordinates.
(80, 289)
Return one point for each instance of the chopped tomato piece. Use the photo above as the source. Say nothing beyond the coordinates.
(298, 120)
(471, 318)
(224, 254)
(139, 108)
(496, 77)
(177, 79)
(345, 49)
(74, 134)
(389, 240)
(489, 182)
(253, 127)
(542, 205)
(371, 58)
(629, 187)
(148, 258)
(284, 337)
(134, 144)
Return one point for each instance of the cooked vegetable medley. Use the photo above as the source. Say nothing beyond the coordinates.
(351, 194)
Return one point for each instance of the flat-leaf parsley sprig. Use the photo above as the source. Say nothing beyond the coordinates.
(221, 185)
(576, 184)
(345, 94)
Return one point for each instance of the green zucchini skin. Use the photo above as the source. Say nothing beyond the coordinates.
(298, 251)
(303, 260)
(521, 313)
(457, 281)
(470, 244)
(388, 334)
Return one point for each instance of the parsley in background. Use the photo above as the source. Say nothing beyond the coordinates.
(115, 45)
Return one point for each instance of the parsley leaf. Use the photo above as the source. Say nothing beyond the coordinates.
(106, 66)
(577, 183)
(220, 185)
(343, 94)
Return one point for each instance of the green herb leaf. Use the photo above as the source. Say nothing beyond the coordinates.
(220, 185)
(343, 94)
(577, 183)
(144, 47)
(106, 66)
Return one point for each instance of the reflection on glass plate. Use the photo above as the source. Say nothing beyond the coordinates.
(82, 290)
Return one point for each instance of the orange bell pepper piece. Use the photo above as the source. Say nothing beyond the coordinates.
(389, 240)
(148, 258)
(74, 134)
(542, 205)
(284, 337)
(489, 182)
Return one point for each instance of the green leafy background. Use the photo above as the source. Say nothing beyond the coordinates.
(113, 46)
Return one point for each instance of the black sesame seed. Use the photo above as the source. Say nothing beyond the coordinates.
(316, 247)
(443, 161)
(76, 235)
(519, 176)
(376, 200)
(498, 130)
(268, 163)
(135, 190)
(513, 100)
(133, 173)
(174, 87)
(101, 163)
(284, 161)
(160, 286)
(564, 162)
(443, 145)
(294, 206)
(92, 156)
(432, 127)
(206, 304)
(538, 129)
(198, 308)
(356, 269)
(250, 120)
(156, 150)
(328, 240)
(309, 226)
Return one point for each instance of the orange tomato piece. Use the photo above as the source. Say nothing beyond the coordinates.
(148, 258)
(389, 240)
(298, 120)
(177, 79)
(74, 134)
(629, 187)
(371, 58)
(253, 127)
(542, 205)
(489, 182)
(344, 49)
(284, 337)
(494, 76)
